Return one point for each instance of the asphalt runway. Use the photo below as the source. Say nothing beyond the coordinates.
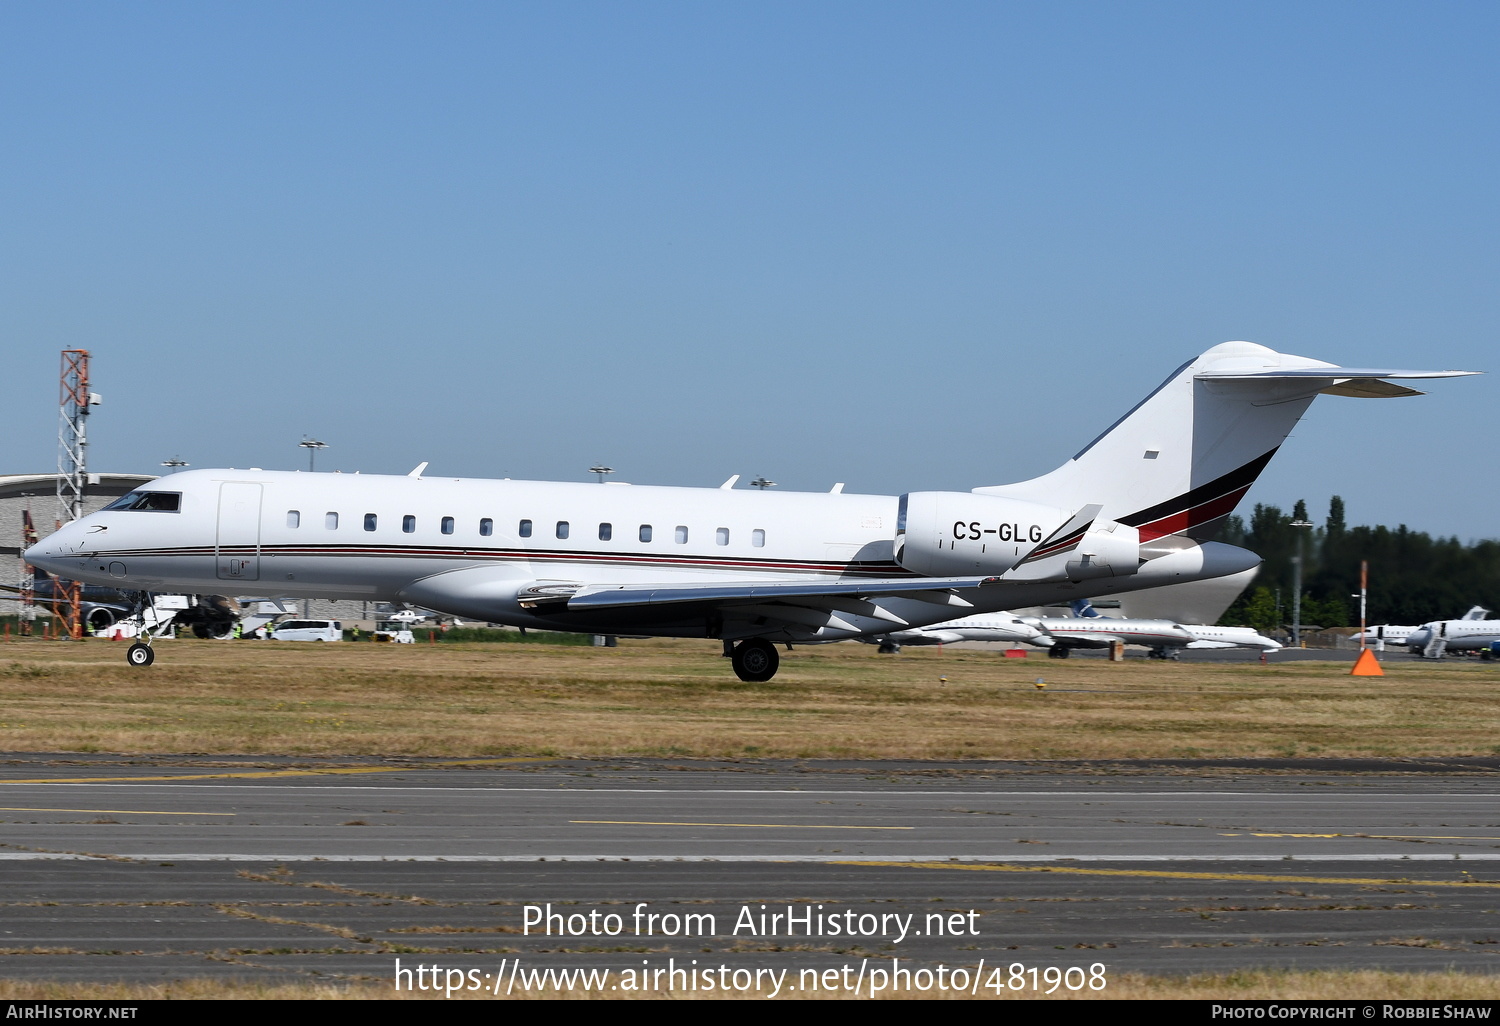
(177, 867)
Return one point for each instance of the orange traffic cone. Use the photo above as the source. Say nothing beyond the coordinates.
(1367, 665)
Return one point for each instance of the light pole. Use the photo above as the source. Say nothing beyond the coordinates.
(312, 445)
(601, 470)
(174, 463)
(762, 483)
(1297, 583)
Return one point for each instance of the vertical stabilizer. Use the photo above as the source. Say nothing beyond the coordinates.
(1180, 461)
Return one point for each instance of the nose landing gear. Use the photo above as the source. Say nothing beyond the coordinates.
(141, 653)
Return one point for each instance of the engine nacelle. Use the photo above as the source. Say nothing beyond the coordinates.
(954, 534)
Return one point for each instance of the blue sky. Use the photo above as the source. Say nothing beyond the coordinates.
(901, 245)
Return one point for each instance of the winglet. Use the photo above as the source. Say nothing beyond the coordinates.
(417, 473)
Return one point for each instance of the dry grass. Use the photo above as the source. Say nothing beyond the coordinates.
(1354, 986)
(679, 698)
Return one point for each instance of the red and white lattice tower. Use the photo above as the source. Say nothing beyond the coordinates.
(72, 471)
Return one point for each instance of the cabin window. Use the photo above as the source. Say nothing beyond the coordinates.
(681, 535)
(447, 525)
(562, 528)
(525, 529)
(721, 536)
(331, 521)
(758, 538)
(487, 527)
(408, 524)
(294, 518)
(645, 532)
(606, 532)
(370, 521)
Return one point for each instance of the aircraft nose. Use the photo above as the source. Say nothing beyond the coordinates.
(51, 550)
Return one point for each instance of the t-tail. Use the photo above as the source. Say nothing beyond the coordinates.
(1180, 461)
(1150, 490)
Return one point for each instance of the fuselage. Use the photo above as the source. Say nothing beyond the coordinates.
(1100, 631)
(478, 548)
(1457, 635)
(1396, 634)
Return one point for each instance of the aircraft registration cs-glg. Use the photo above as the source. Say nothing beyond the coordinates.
(1132, 510)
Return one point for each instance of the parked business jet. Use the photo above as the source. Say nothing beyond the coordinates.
(1431, 640)
(1004, 628)
(1399, 634)
(1060, 634)
(1088, 628)
(751, 567)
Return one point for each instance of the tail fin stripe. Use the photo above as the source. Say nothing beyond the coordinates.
(1235, 482)
(1204, 513)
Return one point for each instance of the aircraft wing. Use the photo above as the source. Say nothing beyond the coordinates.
(609, 595)
(1088, 639)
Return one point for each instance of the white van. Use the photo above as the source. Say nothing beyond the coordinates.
(309, 630)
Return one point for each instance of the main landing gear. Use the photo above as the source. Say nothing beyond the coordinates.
(1057, 652)
(755, 660)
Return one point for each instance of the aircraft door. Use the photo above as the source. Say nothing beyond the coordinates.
(237, 545)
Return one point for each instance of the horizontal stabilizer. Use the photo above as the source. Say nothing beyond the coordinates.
(1331, 371)
(1354, 382)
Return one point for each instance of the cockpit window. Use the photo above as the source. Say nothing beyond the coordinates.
(152, 502)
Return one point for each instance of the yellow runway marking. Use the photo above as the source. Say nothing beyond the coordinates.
(265, 774)
(1177, 874)
(121, 812)
(775, 826)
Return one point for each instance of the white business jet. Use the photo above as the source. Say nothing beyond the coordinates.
(1466, 634)
(1001, 628)
(750, 567)
(1088, 628)
(1399, 634)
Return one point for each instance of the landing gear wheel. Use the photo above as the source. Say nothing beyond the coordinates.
(755, 660)
(889, 648)
(140, 655)
(1057, 652)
